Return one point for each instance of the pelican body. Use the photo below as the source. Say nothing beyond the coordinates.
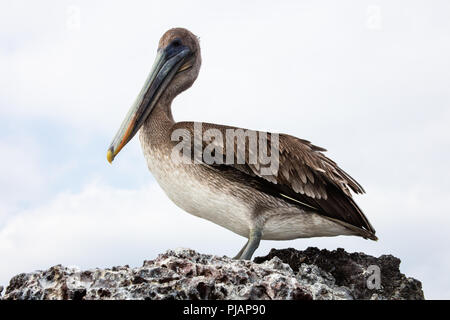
(306, 195)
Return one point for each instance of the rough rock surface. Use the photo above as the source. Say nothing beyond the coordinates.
(186, 274)
(352, 271)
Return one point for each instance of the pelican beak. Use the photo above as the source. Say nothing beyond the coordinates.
(168, 62)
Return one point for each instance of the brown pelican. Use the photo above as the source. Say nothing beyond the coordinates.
(306, 195)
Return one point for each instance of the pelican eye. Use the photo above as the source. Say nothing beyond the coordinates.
(176, 43)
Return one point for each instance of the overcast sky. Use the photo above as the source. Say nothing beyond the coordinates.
(367, 80)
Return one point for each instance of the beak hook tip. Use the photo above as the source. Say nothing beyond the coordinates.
(110, 156)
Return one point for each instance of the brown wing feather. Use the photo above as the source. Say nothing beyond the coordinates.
(304, 174)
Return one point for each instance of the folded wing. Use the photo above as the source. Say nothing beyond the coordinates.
(302, 174)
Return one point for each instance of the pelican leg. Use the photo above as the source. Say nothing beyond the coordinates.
(252, 244)
(238, 256)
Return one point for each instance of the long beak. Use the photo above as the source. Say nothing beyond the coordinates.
(167, 63)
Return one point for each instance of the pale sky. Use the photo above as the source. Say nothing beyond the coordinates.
(367, 80)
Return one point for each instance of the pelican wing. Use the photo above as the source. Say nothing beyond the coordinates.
(302, 173)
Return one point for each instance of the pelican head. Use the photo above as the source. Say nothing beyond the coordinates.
(175, 69)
